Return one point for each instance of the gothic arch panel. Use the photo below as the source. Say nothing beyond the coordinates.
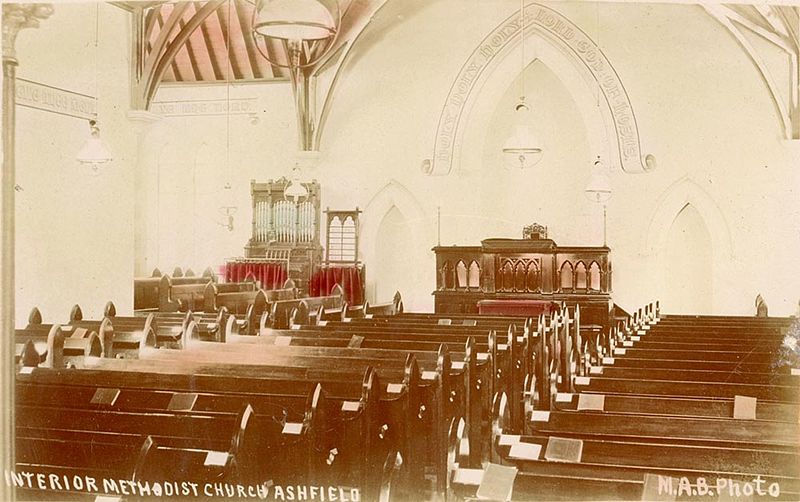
(670, 205)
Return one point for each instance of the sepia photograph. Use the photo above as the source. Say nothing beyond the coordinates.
(400, 250)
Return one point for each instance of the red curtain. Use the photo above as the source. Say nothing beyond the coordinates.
(348, 277)
(269, 275)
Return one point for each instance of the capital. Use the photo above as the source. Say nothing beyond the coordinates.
(142, 119)
(17, 16)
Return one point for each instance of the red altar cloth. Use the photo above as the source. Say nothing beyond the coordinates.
(527, 308)
(270, 275)
(348, 277)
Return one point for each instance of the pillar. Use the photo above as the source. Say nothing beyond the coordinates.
(15, 18)
(144, 217)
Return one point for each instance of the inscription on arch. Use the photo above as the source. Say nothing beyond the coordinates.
(582, 48)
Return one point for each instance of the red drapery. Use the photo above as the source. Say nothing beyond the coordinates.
(348, 277)
(269, 275)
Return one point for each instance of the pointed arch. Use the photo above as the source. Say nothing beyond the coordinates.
(394, 197)
(585, 67)
(565, 277)
(669, 206)
(581, 278)
(594, 277)
(474, 275)
(392, 194)
(461, 275)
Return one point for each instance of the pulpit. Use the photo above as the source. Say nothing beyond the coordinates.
(524, 277)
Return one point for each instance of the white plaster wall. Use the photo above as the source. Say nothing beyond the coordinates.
(701, 107)
(73, 231)
(702, 111)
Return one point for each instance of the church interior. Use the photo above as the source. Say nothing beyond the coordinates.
(400, 250)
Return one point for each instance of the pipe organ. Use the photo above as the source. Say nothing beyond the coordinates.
(281, 224)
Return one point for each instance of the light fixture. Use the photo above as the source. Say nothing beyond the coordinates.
(522, 149)
(229, 210)
(228, 207)
(305, 31)
(599, 190)
(295, 189)
(294, 20)
(301, 25)
(95, 152)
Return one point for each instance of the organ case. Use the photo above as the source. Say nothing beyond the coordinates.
(285, 227)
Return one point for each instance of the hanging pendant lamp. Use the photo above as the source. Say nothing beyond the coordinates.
(522, 149)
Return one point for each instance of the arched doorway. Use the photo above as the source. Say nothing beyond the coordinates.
(688, 265)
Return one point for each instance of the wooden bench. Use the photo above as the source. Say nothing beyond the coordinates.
(146, 289)
(52, 347)
(249, 305)
(282, 312)
(181, 297)
(349, 425)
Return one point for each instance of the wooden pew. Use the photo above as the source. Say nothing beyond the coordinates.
(130, 335)
(237, 296)
(349, 423)
(52, 347)
(439, 393)
(674, 458)
(250, 304)
(181, 297)
(146, 289)
(282, 312)
(385, 309)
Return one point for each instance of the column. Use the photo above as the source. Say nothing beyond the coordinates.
(144, 215)
(15, 18)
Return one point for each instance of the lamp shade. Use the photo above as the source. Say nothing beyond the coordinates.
(599, 187)
(294, 20)
(94, 151)
(295, 189)
(522, 149)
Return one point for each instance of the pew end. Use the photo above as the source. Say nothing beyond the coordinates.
(75, 314)
(55, 348)
(29, 356)
(500, 422)
(210, 297)
(35, 317)
(209, 272)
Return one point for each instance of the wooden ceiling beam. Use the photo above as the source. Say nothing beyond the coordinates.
(218, 74)
(162, 42)
(176, 44)
(790, 17)
(245, 28)
(225, 25)
(198, 75)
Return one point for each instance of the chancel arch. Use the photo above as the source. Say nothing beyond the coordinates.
(573, 55)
